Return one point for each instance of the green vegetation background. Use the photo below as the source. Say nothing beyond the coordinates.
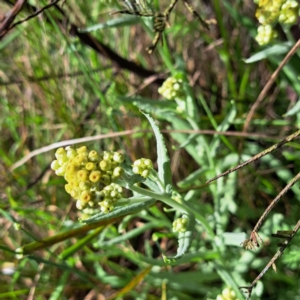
(58, 83)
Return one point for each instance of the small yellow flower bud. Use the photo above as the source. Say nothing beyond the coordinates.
(118, 188)
(82, 175)
(138, 162)
(61, 171)
(71, 152)
(118, 157)
(105, 165)
(145, 173)
(93, 156)
(55, 165)
(95, 176)
(80, 159)
(117, 172)
(75, 193)
(109, 173)
(136, 170)
(90, 166)
(82, 150)
(74, 183)
(69, 176)
(148, 163)
(114, 194)
(85, 197)
(68, 188)
(71, 167)
(107, 155)
(60, 154)
(228, 293)
(106, 203)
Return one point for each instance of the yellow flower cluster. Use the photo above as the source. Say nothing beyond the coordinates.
(227, 294)
(265, 34)
(142, 167)
(172, 88)
(268, 11)
(272, 11)
(90, 176)
(180, 225)
(289, 12)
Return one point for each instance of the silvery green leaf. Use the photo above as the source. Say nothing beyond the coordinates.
(120, 211)
(163, 161)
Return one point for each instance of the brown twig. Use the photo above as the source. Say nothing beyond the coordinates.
(272, 261)
(10, 16)
(118, 61)
(259, 155)
(34, 14)
(254, 239)
(66, 143)
(263, 93)
(118, 134)
(274, 202)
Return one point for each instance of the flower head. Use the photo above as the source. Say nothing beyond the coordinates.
(180, 225)
(90, 176)
(269, 12)
(142, 167)
(172, 88)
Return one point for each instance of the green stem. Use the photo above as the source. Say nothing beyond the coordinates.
(182, 207)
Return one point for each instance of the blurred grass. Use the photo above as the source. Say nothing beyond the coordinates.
(53, 87)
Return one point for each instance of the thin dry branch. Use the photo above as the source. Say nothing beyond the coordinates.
(274, 202)
(117, 134)
(272, 261)
(67, 143)
(9, 17)
(255, 240)
(263, 93)
(34, 14)
(259, 155)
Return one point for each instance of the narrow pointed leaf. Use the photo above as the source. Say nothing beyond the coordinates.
(120, 211)
(163, 161)
(267, 52)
